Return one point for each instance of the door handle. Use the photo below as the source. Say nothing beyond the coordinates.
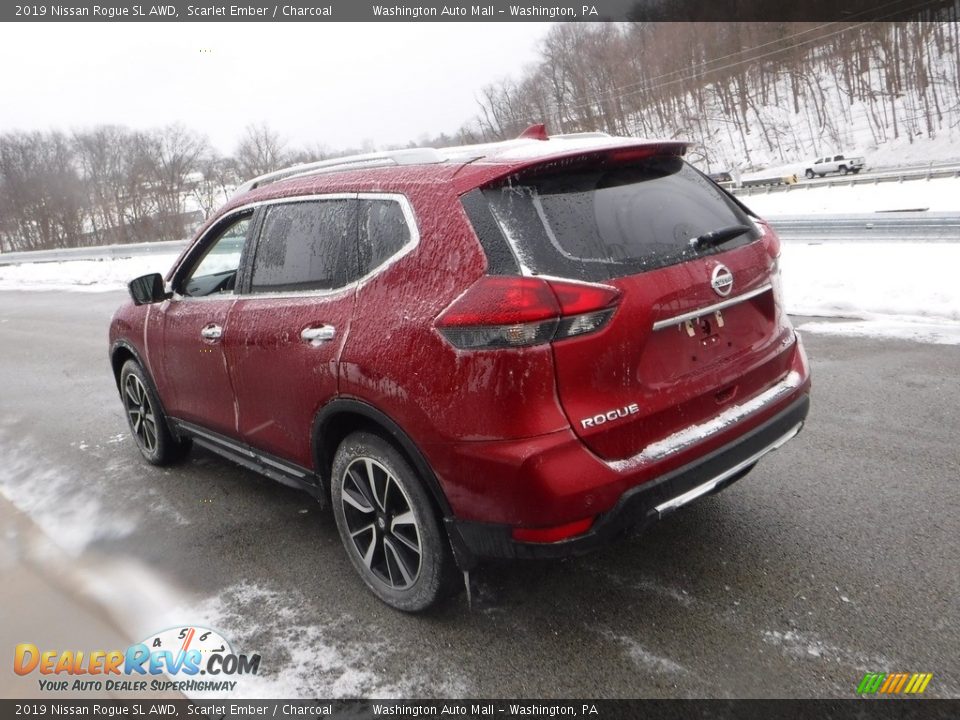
(318, 335)
(211, 332)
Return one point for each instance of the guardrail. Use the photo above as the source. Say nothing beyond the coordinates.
(871, 227)
(93, 252)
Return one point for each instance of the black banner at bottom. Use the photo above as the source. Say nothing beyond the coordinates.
(854, 709)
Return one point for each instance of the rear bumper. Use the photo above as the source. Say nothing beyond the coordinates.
(643, 503)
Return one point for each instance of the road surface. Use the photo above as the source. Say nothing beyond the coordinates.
(837, 556)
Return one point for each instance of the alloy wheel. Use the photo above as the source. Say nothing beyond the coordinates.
(380, 521)
(143, 420)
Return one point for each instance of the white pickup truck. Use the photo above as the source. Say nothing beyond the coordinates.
(834, 163)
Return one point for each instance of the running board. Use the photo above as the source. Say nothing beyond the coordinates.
(282, 471)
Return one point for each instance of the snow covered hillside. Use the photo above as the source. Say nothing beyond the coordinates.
(888, 93)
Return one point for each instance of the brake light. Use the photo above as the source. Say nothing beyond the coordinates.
(632, 154)
(509, 311)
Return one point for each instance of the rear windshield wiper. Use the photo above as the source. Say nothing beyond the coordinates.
(718, 237)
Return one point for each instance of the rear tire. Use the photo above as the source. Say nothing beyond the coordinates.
(389, 527)
(843, 170)
(145, 418)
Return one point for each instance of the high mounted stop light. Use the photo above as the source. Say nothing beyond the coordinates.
(535, 132)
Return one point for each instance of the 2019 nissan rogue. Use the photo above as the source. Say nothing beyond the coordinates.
(515, 350)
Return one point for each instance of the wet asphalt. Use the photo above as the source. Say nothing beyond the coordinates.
(837, 556)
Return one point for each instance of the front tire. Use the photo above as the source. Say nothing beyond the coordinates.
(809, 174)
(148, 424)
(388, 524)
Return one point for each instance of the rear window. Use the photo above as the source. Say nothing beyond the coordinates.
(609, 222)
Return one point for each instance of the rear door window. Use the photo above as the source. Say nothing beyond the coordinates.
(383, 231)
(609, 222)
(310, 245)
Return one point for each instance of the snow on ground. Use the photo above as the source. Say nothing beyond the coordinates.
(804, 645)
(936, 333)
(895, 290)
(864, 280)
(305, 653)
(938, 194)
(101, 275)
(900, 289)
(311, 653)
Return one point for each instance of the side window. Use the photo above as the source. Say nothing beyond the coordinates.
(383, 232)
(216, 270)
(307, 246)
(839, 157)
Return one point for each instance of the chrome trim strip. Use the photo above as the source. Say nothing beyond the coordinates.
(694, 434)
(281, 466)
(239, 449)
(700, 312)
(217, 444)
(406, 249)
(692, 494)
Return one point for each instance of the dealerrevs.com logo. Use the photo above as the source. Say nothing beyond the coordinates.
(183, 653)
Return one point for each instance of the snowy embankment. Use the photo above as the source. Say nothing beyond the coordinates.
(904, 289)
(936, 195)
(97, 275)
(892, 289)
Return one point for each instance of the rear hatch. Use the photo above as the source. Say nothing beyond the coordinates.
(698, 327)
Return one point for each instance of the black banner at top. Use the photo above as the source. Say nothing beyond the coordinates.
(852, 11)
(445, 709)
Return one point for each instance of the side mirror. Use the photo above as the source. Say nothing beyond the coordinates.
(147, 289)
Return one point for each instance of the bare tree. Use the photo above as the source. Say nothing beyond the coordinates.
(172, 157)
(42, 193)
(219, 179)
(260, 150)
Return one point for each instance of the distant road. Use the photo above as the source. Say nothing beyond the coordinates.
(913, 226)
(867, 176)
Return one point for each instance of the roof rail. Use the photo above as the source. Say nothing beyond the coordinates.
(409, 156)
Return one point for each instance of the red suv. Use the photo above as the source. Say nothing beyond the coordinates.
(517, 350)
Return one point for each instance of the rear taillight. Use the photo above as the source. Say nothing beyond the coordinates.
(770, 239)
(507, 311)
